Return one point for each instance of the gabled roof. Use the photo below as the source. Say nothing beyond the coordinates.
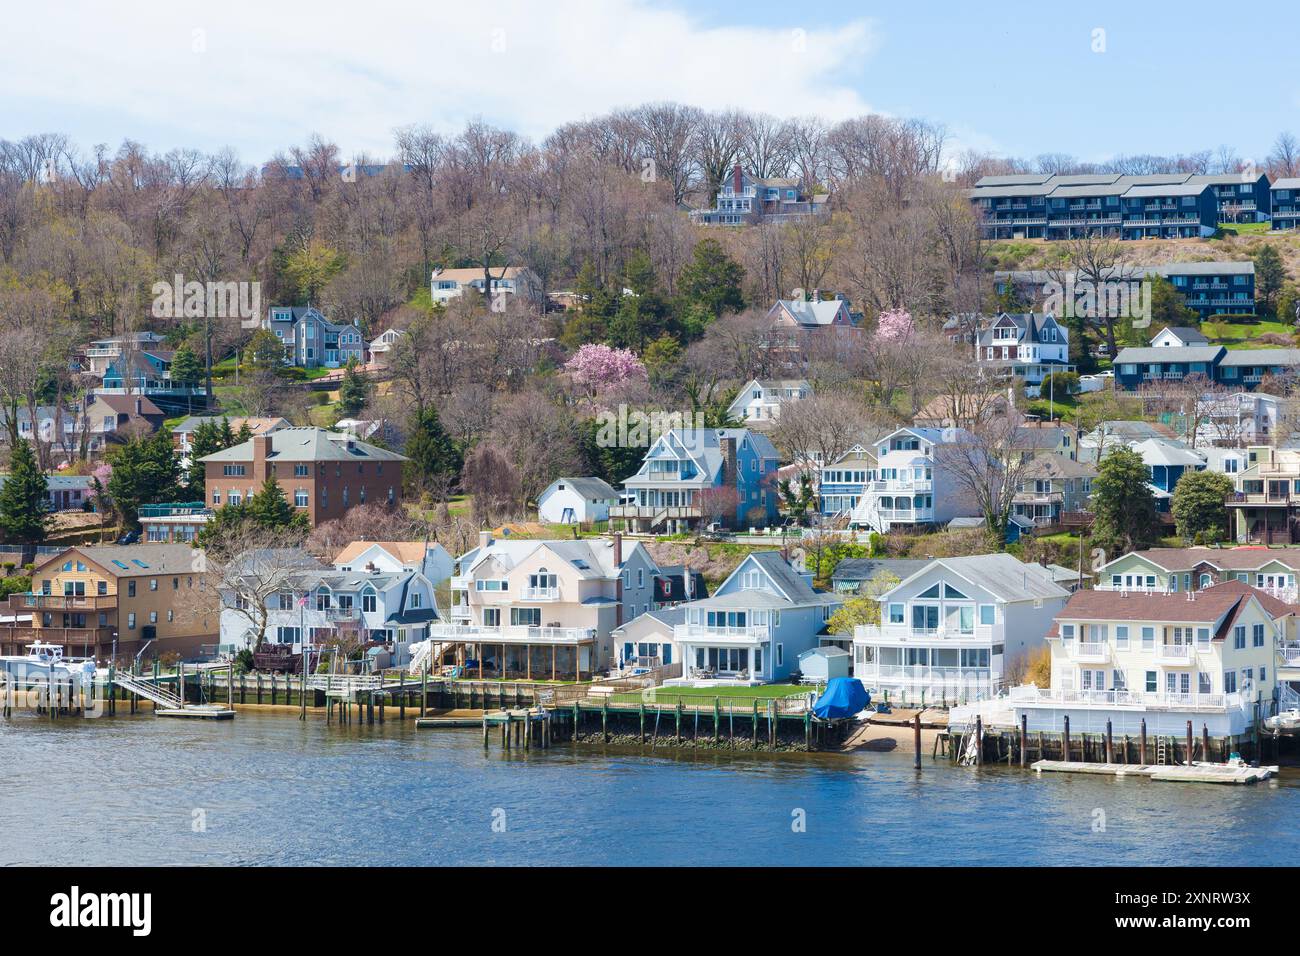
(864, 569)
(1184, 334)
(1207, 607)
(1180, 354)
(1156, 452)
(588, 488)
(1002, 575)
(403, 552)
(813, 314)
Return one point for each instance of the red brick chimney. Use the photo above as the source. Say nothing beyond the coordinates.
(736, 179)
(261, 452)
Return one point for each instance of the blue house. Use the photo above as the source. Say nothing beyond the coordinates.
(147, 374)
(1239, 196)
(1042, 206)
(1166, 463)
(313, 341)
(843, 481)
(1176, 354)
(1285, 197)
(697, 476)
(754, 627)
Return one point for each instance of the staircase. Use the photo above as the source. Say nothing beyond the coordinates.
(148, 689)
(420, 655)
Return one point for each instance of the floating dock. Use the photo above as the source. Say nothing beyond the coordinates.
(1179, 773)
(197, 712)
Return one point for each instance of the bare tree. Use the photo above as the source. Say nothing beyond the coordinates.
(254, 570)
(987, 461)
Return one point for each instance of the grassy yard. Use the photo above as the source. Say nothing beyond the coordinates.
(1245, 228)
(670, 695)
(1242, 334)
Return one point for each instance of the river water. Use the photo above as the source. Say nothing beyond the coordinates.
(268, 789)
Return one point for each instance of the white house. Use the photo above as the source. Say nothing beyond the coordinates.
(754, 627)
(381, 347)
(318, 603)
(952, 629)
(1028, 346)
(1238, 419)
(911, 487)
(761, 400)
(576, 500)
(1206, 657)
(448, 284)
(429, 558)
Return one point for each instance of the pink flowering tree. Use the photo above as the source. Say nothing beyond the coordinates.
(895, 325)
(599, 368)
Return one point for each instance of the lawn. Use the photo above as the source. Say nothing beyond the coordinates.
(1245, 228)
(670, 695)
(1241, 334)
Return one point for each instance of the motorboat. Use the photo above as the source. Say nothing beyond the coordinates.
(1284, 722)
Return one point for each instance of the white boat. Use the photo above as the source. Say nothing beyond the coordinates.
(1286, 722)
(42, 658)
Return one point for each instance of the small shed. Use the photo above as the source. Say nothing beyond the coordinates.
(824, 663)
(575, 500)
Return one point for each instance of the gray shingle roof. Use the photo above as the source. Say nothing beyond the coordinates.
(309, 444)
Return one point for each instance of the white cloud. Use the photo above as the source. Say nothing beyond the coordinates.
(262, 76)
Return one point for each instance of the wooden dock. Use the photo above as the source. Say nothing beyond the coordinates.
(1178, 773)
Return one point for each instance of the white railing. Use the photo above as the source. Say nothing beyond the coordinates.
(541, 594)
(1178, 653)
(1290, 654)
(1087, 650)
(903, 633)
(706, 632)
(900, 485)
(921, 674)
(1055, 696)
(511, 634)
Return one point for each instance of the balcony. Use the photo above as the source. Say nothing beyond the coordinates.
(901, 486)
(1175, 655)
(1089, 652)
(1029, 696)
(541, 594)
(704, 633)
(341, 614)
(654, 511)
(917, 515)
(512, 634)
(971, 681)
(1245, 498)
(63, 602)
(903, 634)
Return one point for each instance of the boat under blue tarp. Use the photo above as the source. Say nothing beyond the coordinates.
(843, 697)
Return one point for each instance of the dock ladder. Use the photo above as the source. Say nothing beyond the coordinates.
(1162, 750)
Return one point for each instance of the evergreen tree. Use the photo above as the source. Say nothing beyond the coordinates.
(1270, 274)
(713, 279)
(186, 369)
(23, 499)
(1123, 504)
(353, 391)
(433, 453)
(269, 508)
(1167, 309)
(204, 440)
(245, 434)
(144, 472)
(227, 435)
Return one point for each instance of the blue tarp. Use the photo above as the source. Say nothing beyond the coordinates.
(844, 697)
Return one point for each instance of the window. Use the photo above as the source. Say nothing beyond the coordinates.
(130, 621)
(1203, 683)
(1229, 682)
(780, 655)
(1121, 636)
(300, 498)
(153, 617)
(153, 584)
(895, 614)
(1257, 636)
(526, 616)
(1148, 638)
(1151, 684)
(300, 471)
(130, 589)
(1239, 637)
(368, 602)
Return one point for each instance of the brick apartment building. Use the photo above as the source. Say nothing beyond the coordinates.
(321, 472)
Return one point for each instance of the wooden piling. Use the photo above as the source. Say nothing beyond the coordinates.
(1188, 758)
(916, 739)
(1142, 743)
(1024, 735)
(1205, 743)
(1065, 740)
(1110, 744)
(979, 737)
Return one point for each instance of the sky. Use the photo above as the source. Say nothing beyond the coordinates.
(1016, 78)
